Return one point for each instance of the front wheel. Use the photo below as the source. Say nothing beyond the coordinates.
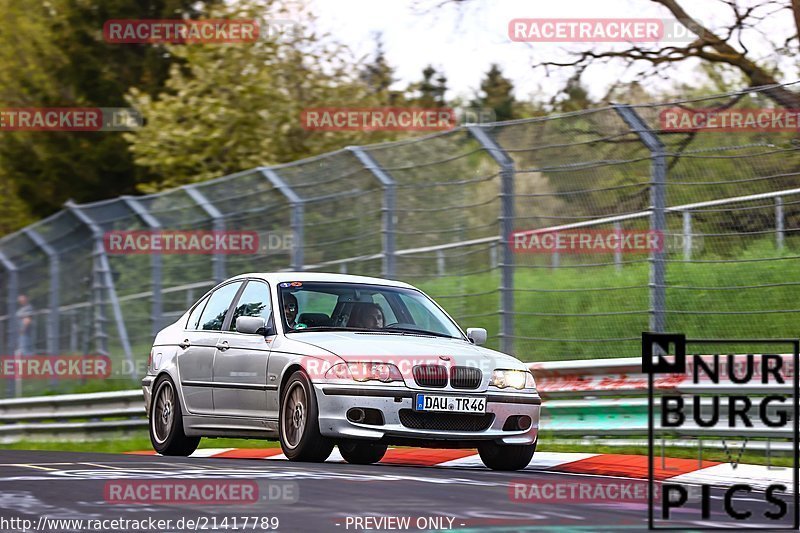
(166, 422)
(498, 457)
(361, 453)
(299, 432)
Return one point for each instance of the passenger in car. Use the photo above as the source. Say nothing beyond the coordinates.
(366, 315)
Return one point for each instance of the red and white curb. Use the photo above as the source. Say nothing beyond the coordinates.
(688, 471)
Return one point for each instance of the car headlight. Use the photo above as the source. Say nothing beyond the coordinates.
(518, 379)
(365, 371)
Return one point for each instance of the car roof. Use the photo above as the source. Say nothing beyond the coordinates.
(278, 277)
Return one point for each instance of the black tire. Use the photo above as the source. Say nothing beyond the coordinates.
(298, 423)
(362, 452)
(166, 421)
(498, 457)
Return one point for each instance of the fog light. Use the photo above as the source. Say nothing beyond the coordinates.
(517, 423)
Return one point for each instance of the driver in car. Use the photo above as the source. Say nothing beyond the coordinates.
(290, 309)
(368, 316)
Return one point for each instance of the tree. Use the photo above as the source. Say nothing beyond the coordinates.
(497, 93)
(52, 54)
(430, 91)
(736, 45)
(378, 75)
(725, 47)
(229, 107)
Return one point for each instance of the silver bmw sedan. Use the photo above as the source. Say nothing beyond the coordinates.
(321, 360)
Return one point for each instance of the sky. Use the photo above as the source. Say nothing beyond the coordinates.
(464, 40)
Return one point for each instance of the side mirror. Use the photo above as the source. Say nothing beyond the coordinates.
(476, 335)
(251, 324)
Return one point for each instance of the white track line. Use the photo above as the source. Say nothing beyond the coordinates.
(210, 452)
(757, 476)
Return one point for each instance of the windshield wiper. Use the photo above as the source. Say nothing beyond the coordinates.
(421, 332)
(389, 330)
(326, 328)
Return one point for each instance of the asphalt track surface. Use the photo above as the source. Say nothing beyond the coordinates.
(330, 496)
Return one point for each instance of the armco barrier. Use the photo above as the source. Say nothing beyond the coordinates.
(71, 416)
(577, 394)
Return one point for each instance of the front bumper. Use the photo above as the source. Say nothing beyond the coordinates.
(334, 400)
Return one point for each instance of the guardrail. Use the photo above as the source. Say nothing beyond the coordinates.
(589, 416)
(71, 416)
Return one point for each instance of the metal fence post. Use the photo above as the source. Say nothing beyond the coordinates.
(218, 223)
(555, 257)
(53, 319)
(687, 235)
(389, 204)
(12, 278)
(156, 302)
(73, 331)
(618, 251)
(506, 219)
(658, 220)
(105, 280)
(297, 218)
(99, 316)
(779, 222)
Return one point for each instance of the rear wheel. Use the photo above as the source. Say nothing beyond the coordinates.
(499, 457)
(166, 422)
(361, 452)
(300, 437)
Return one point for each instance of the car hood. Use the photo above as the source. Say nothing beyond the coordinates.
(408, 348)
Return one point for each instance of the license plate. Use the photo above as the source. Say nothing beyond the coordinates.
(449, 404)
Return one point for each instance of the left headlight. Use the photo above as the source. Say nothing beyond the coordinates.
(365, 371)
(518, 379)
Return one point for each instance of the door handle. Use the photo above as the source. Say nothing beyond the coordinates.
(185, 344)
(222, 345)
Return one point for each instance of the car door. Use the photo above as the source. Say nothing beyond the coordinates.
(240, 362)
(197, 348)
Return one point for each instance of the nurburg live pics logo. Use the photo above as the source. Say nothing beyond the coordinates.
(719, 384)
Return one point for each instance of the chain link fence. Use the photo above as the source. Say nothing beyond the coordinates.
(444, 212)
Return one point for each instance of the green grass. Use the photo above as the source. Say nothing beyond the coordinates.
(697, 312)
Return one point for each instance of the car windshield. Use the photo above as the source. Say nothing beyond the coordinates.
(321, 306)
